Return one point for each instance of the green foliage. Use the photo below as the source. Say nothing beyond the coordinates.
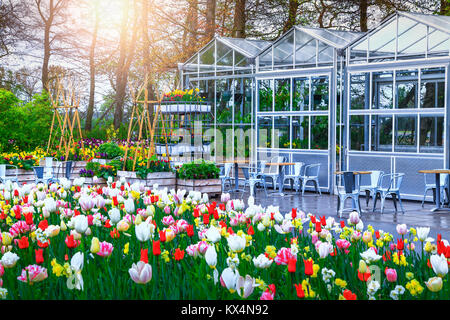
(198, 169)
(24, 126)
(110, 150)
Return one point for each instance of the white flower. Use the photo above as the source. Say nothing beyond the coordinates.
(325, 249)
(129, 205)
(262, 262)
(213, 234)
(327, 274)
(141, 272)
(143, 231)
(439, 264)
(233, 262)
(80, 223)
(245, 286)
(9, 259)
(372, 287)
(236, 243)
(3, 293)
(114, 215)
(229, 278)
(76, 279)
(370, 256)
(402, 229)
(422, 233)
(211, 256)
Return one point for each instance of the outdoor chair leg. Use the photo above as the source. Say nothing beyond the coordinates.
(383, 199)
(395, 201)
(338, 205)
(424, 195)
(401, 205)
(316, 183)
(367, 198)
(375, 201)
(359, 205)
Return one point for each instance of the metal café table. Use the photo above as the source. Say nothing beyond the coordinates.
(437, 173)
(281, 166)
(353, 182)
(236, 173)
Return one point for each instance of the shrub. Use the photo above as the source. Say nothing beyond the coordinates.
(110, 150)
(198, 170)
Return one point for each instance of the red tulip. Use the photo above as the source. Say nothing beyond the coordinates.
(250, 230)
(294, 213)
(39, 256)
(115, 202)
(156, 248)
(309, 266)
(162, 235)
(348, 295)
(342, 224)
(323, 221)
(300, 292)
(29, 218)
(43, 225)
(318, 227)
(179, 254)
(71, 242)
(23, 243)
(400, 244)
(190, 230)
(206, 218)
(292, 265)
(144, 255)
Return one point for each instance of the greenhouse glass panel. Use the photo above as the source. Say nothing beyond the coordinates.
(224, 101)
(305, 49)
(243, 101)
(265, 95)
(438, 43)
(358, 53)
(326, 54)
(320, 87)
(282, 94)
(412, 37)
(300, 132)
(382, 93)
(407, 84)
(264, 132)
(301, 94)
(431, 134)
(432, 88)
(242, 141)
(319, 132)
(224, 59)
(381, 133)
(281, 132)
(265, 60)
(359, 132)
(359, 90)
(283, 52)
(405, 133)
(382, 42)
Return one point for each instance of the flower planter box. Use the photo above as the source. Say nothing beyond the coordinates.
(101, 161)
(90, 182)
(183, 107)
(162, 179)
(213, 187)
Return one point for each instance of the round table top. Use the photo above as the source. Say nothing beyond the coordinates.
(236, 161)
(280, 164)
(354, 172)
(435, 171)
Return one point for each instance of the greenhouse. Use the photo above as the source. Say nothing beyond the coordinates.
(344, 100)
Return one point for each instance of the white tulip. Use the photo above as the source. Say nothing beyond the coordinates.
(370, 256)
(211, 257)
(262, 262)
(422, 233)
(245, 286)
(229, 278)
(80, 223)
(236, 243)
(9, 259)
(213, 234)
(114, 215)
(129, 205)
(439, 264)
(143, 231)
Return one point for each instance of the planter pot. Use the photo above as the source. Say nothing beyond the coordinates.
(213, 187)
(162, 179)
(90, 182)
(101, 161)
(183, 107)
(23, 176)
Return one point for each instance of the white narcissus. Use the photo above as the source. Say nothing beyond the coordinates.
(141, 272)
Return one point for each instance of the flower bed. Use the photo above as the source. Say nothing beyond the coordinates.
(129, 242)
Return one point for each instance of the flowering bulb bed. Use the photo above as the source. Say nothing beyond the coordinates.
(66, 241)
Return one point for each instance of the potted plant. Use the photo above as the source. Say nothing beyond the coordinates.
(199, 175)
(108, 151)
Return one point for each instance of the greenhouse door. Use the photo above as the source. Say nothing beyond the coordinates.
(295, 110)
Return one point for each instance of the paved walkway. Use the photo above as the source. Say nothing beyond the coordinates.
(326, 204)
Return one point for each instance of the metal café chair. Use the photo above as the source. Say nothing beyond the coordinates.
(311, 173)
(432, 186)
(350, 188)
(295, 177)
(64, 168)
(371, 188)
(251, 181)
(389, 185)
(41, 176)
(225, 175)
(4, 178)
(273, 171)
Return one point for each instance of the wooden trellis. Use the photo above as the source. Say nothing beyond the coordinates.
(68, 102)
(140, 116)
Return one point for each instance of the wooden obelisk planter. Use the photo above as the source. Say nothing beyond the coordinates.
(213, 187)
(162, 179)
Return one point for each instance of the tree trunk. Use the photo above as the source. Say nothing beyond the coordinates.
(46, 59)
(363, 15)
(90, 109)
(292, 13)
(210, 19)
(239, 19)
(445, 8)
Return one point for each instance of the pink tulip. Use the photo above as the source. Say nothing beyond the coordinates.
(106, 249)
(343, 244)
(391, 275)
(168, 220)
(33, 273)
(402, 229)
(266, 296)
(141, 272)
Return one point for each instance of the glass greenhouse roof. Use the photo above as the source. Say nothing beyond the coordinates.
(305, 47)
(403, 36)
(226, 55)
